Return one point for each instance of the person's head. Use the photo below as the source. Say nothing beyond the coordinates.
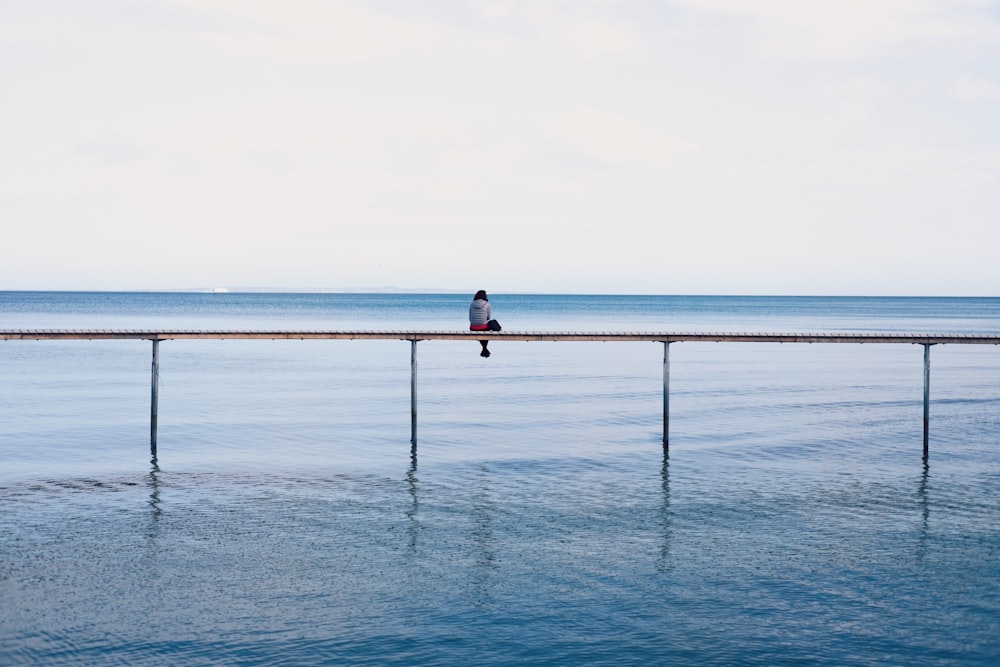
(481, 294)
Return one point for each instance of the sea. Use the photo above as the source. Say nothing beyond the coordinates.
(288, 519)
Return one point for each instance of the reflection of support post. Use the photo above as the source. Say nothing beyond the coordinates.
(927, 396)
(153, 530)
(413, 394)
(413, 527)
(925, 513)
(666, 397)
(154, 496)
(154, 398)
(665, 513)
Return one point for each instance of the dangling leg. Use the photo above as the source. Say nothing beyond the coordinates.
(485, 352)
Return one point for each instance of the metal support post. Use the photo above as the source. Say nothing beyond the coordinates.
(154, 398)
(413, 394)
(927, 397)
(666, 397)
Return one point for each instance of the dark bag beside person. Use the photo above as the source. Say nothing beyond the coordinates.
(493, 325)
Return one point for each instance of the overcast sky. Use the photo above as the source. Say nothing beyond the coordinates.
(648, 146)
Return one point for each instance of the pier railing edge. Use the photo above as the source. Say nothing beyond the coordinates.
(424, 335)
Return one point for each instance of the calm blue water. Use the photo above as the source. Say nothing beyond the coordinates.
(286, 522)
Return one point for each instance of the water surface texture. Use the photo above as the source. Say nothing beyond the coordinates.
(287, 520)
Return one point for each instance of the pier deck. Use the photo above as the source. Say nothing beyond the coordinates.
(599, 336)
(664, 337)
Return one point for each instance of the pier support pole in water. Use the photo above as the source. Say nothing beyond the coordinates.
(154, 399)
(666, 396)
(927, 397)
(413, 392)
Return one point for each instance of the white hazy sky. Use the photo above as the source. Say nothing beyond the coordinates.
(587, 146)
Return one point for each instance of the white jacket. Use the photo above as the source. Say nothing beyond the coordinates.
(479, 312)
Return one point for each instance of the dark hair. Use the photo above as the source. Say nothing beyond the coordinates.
(481, 294)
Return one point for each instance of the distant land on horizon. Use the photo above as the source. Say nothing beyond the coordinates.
(314, 290)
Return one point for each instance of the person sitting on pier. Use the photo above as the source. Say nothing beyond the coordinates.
(479, 316)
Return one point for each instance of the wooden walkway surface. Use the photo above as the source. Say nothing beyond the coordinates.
(600, 336)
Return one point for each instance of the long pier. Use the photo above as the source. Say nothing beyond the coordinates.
(414, 337)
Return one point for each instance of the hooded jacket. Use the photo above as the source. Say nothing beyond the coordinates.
(479, 312)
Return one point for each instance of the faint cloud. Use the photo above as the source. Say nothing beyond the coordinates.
(589, 28)
(976, 90)
(313, 31)
(533, 11)
(478, 157)
(854, 97)
(616, 139)
(852, 29)
(112, 151)
(594, 39)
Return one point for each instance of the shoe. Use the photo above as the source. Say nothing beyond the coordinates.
(484, 353)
